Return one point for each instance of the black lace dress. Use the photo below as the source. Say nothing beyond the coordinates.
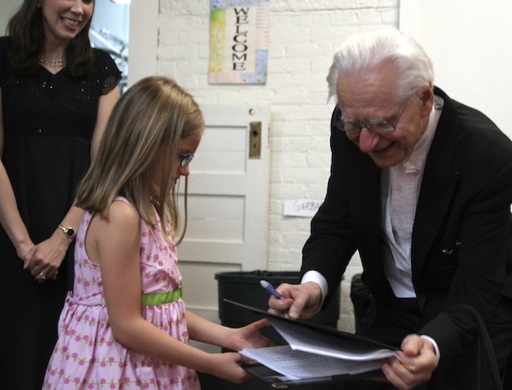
(48, 125)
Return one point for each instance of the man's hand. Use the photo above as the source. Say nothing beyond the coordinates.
(301, 300)
(414, 364)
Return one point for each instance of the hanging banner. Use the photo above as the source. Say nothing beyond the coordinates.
(238, 41)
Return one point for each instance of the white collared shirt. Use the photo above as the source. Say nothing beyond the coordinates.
(399, 198)
(400, 187)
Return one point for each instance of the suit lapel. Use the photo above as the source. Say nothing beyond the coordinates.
(439, 183)
(368, 198)
(365, 209)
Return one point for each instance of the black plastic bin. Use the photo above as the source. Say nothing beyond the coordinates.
(244, 287)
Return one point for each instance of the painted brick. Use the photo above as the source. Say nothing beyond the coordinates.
(303, 35)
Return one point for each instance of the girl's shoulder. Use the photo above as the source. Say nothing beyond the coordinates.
(121, 205)
(121, 223)
(122, 199)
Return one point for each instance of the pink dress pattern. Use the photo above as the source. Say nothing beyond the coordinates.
(87, 356)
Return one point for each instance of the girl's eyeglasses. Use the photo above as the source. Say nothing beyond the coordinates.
(185, 159)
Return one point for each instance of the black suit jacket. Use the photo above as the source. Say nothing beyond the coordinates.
(460, 226)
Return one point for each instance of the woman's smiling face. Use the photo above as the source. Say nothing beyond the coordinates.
(64, 19)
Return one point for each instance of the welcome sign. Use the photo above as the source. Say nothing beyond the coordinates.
(238, 41)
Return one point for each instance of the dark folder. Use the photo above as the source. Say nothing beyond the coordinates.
(315, 353)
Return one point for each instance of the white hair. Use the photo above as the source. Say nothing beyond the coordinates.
(365, 51)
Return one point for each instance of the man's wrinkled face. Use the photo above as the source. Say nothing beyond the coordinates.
(370, 97)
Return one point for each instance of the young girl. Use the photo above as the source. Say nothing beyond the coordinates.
(126, 326)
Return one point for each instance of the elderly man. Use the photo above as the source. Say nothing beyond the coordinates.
(421, 186)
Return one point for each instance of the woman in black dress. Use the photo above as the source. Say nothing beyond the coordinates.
(56, 95)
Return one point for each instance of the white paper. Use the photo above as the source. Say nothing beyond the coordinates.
(301, 207)
(309, 340)
(303, 365)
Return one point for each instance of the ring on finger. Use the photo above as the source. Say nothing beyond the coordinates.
(42, 276)
(409, 367)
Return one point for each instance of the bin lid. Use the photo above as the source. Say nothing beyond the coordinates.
(257, 275)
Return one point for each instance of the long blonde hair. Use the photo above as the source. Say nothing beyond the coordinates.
(154, 113)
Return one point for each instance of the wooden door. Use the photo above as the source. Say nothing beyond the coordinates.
(227, 203)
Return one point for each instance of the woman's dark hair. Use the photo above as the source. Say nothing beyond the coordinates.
(26, 31)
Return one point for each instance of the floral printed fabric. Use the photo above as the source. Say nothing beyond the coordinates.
(87, 356)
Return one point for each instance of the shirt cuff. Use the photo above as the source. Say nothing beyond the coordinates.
(316, 277)
(436, 348)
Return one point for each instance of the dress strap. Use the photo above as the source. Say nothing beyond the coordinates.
(161, 298)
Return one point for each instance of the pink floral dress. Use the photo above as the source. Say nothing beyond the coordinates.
(87, 356)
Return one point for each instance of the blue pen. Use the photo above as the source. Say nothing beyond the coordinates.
(267, 286)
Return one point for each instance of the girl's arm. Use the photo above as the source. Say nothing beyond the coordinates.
(233, 339)
(114, 244)
(49, 254)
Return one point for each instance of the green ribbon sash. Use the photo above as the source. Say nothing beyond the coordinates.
(161, 298)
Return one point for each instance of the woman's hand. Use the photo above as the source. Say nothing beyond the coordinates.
(25, 250)
(46, 257)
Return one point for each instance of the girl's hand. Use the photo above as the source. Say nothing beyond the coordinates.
(227, 366)
(248, 337)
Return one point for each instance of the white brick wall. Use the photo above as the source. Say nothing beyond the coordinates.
(303, 36)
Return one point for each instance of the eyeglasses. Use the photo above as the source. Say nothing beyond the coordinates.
(378, 126)
(185, 159)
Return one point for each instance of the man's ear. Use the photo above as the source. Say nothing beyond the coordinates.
(427, 100)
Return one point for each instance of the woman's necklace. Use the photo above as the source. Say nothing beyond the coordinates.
(53, 62)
